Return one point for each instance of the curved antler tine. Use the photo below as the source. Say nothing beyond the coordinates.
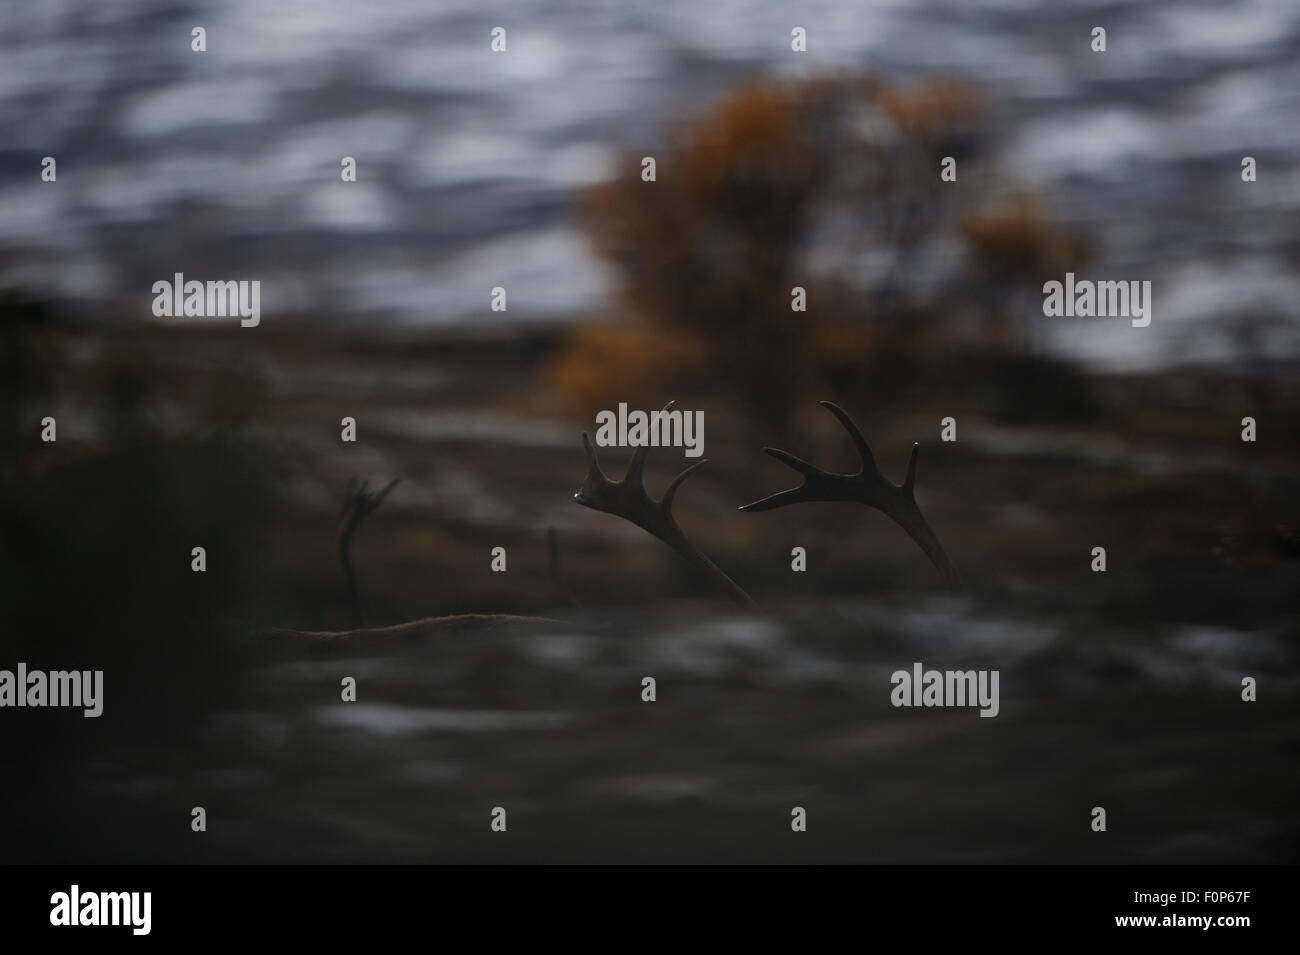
(864, 451)
(797, 464)
(593, 464)
(794, 495)
(909, 482)
(667, 501)
(635, 476)
(379, 498)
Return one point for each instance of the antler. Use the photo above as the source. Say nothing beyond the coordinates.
(868, 486)
(359, 502)
(628, 499)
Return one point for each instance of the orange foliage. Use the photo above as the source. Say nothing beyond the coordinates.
(936, 110)
(602, 364)
(709, 252)
(1013, 240)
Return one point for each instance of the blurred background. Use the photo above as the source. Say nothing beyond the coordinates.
(522, 170)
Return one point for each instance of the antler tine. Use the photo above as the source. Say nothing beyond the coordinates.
(379, 498)
(818, 485)
(860, 442)
(795, 495)
(636, 468)
(593, 463)
(797, 464)
(635, 476)
(909, 482)
(666, 502)
(868, 486)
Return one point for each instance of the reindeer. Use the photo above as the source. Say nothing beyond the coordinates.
(628, 499)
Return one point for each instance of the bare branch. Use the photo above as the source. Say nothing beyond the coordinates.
(359, 502)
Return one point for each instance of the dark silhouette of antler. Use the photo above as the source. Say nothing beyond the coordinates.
(359, 502)
(868, 486)
(628, 499)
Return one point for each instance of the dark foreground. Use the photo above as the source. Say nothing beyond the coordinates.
(754, 716)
